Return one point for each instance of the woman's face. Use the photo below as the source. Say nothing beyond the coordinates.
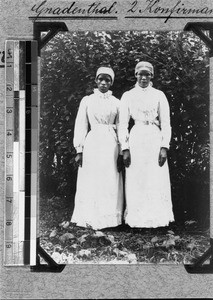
(103, 82)
(143, 78)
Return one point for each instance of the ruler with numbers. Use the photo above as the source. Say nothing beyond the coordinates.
(21, 93)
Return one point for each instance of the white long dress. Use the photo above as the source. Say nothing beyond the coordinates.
(148, 190)
(99, 193)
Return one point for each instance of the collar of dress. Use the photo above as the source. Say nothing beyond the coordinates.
(102, 95)
(139, 88)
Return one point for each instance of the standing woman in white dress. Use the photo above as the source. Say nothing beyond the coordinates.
(147, 186)
(99, 192)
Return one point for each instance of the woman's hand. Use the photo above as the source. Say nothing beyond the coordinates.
(120, 164)
(79, 159)
(162, 156)
(126, 158)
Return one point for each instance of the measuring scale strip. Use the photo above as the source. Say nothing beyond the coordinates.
(8, 232)
(13, 255)
(21, 152)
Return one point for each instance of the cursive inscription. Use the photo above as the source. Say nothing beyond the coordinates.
(95, 8)
(133, 9)
(156, 8)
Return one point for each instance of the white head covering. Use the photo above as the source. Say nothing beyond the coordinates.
(106, 70)
(144, 65)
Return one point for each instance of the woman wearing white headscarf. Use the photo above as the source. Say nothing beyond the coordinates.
(148, 191)
(99, 196)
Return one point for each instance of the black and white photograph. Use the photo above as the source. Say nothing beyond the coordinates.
(124, 147)
(106, 113)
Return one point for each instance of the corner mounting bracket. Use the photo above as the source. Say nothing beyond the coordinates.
(198, 267)
(199, 29)
(51, 265)
(52, 28)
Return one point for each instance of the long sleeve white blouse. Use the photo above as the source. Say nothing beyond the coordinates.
(97, 108)
(147, 105)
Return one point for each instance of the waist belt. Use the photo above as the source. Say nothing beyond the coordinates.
(111, 128)
(147, 122)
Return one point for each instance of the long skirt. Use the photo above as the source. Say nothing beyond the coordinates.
(148, 190)
(99, 193)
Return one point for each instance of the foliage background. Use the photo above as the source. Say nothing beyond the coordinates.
(181, 62)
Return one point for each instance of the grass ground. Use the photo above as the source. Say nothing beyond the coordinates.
(67, 243)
